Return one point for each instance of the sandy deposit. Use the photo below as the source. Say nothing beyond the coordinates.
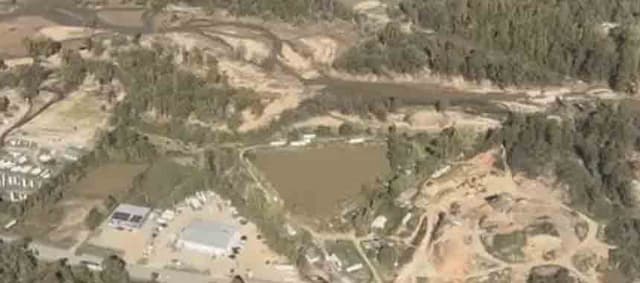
(184, 40)
(446, 257)
(453, 256)
(271, 112)
(367, 5)
(74, 121)
(249, 49)
(327, 121)
(124, 18)
(323, 49)
(72, 226)
(18, 62)
(521, 107)
(431, 120)
(374, 10)
(62, 33)
(247, 75)
(297, 62)
(14, 31)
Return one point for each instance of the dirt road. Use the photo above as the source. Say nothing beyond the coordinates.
(532, 204)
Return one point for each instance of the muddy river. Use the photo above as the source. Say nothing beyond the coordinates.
(315, 181)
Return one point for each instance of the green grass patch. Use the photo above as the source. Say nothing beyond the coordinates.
(165, 183)
(90, 249)
(346, 251)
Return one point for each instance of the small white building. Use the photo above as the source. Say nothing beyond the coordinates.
(379, 222)
(354, 267)
(309, 137)
(278, 143)
(208, 237)
(299, 143)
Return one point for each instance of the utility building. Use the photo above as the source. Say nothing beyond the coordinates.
(128, 216)
(212, 238)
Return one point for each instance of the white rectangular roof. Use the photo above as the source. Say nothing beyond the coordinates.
(210, 233)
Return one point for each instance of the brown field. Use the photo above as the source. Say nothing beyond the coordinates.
(12, 33)
(123, 18)
(63, 222)
(110, 179)
(315, 181)
(73, 121)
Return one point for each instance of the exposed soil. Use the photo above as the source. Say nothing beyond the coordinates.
(508, 223)
(73, 121)
(14, 31)
(125, 18)
(63, 223)
(111, 179)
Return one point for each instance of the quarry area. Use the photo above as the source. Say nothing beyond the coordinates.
(202, 146)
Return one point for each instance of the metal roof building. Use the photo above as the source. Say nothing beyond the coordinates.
(128, 216)
(209, 237)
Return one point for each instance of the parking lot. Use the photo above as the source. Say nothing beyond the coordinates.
(154, 244)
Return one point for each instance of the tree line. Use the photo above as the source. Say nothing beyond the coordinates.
(510, 42)
(587, 153)
(285, 10)
(157, 85)
(587, 150)
(412, 158)
(18, 263)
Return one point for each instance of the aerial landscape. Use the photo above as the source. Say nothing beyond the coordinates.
(348, 141)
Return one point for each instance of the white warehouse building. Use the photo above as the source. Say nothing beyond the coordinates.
(211, 238)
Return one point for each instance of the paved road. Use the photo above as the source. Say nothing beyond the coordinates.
(139, 272)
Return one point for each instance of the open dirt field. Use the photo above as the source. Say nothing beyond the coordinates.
(430, 120)
(62, 33)
(314, 181)
(63, 223)
(483, 222)
(294, 60)
(323, 49)
(110, 179)
(326, 120)
(251, 50)
(270, 112)
(74, 121)
(14, 31)
(125, 18)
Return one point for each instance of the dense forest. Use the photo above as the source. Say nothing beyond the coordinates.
(586, 148)
(167, 91)
(285, 10)
(510, 42)
(588, 153)
(19, 264)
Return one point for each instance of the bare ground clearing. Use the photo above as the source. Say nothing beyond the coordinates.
(491, 209)
(126, 18)
(63, 223)
(74, 121)
(14, 31)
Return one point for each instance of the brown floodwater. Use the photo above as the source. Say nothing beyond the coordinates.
(315, 181)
